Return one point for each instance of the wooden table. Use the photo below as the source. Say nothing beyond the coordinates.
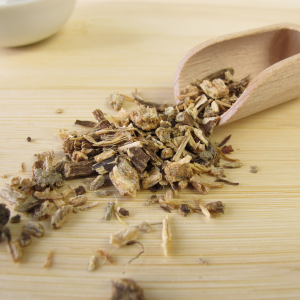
(252, 251)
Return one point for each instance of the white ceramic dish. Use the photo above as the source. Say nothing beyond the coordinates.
(24, 22)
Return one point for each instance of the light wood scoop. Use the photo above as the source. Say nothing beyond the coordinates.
(271, 55)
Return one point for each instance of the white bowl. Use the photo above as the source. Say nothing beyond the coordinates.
(24, 22)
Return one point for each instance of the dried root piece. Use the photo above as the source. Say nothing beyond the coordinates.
(80, 190)
(97, 183)
(178, 171)
(215, 89)
(153, 199)
(227, 149)
(26, 206)
(49, 260)
(104, 155)
(109, 210)
(35, 229)
(61, 216)
(253, 169)
(15, 219)
(4, 214)
(122, 237)
(93, 263)
(144, 226)
(184, 210)
(78, 200)
(102, 193)
(166, 234)
(125, 178)
(126, 289)
(233, 165)
(216, 206)
(116, 101)
(122, 212)
(25, 239)
(15, 251)
(154, 177)
(145, 118)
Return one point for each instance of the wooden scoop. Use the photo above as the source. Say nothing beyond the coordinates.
(271, 55)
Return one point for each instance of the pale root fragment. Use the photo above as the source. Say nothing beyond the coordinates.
(126, 289)
(61, 216)
(196, 183)
(78, 200)
(88, 206)
(48, 195)
(122, 115)
(182, 184)
(145, 117)
(46, 210)
(204, 210)
(206, 182)
(122, 237)
(166, 234)
(104, 155)
(33, 228)
(15, 251)
(98, 193)
(167, 153)
(169, 194)
(49, 259)
(93, 263)
(215, 89)
(59, 203)
(125, 178)
(129, 145)
(154, 177)
(182, 146)
(179, 170)
(233, 165)
(116, 101)
(215, 107)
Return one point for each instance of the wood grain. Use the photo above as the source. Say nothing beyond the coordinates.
(252, 251)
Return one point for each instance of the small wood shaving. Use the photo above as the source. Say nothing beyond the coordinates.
(15, 251)
(49, 260)
(22, 168)
(88, 206)
(203, 209)
(166, 234)
(233, 165)
(93, 263)
(123, 236)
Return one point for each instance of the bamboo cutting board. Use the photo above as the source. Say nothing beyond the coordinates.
(252, 251)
